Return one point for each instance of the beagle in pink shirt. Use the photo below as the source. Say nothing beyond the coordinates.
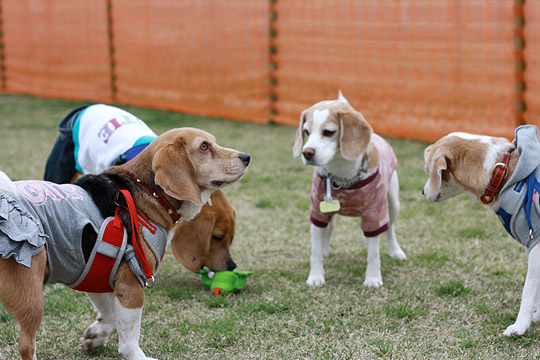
(360, 168)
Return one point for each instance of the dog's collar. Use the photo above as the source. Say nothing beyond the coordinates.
(354, 183)
(498, 176)
(162, 201)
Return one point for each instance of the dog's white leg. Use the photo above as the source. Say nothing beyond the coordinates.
(128, 326)
(529, 297)
(100, 329)
(394, 250)
(319, 237)
(373, 270)
(326, 240)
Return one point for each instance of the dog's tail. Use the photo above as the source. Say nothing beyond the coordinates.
(341, 97)
(6, 185)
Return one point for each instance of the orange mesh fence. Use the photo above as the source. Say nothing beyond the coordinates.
(56, 48)
(200, 56)
(532, 62)
(416, 69)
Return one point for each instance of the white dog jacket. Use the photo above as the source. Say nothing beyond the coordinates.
(368, 198)
(52, 215)
(518, 206)
(101, 134)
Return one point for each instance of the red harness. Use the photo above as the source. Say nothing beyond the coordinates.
(97, 278)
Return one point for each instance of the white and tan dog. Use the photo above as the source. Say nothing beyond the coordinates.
(52, 233)
(503, 176)
(359, 166)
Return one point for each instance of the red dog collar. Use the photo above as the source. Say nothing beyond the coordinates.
(498, 176)
(162, 201)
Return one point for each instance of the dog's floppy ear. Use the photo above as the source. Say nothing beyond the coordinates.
(355, 134)
(436, 166)
(299, 140)
(190, 243)
(175, 173)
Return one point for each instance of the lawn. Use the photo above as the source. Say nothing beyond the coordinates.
(459, 288)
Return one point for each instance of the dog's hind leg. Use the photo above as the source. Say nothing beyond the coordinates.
(21, 290)
(394, 250)
(100, 329)
(529, 297)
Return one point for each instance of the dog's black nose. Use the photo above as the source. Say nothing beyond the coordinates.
(308, 153)
(231, 265)
(245, 158)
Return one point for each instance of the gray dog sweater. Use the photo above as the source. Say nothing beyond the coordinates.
(47, 214)
(518, 206)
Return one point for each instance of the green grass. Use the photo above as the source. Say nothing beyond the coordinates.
(451, 299)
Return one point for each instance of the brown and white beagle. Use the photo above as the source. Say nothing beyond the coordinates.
(183, 167)
(355, 167)
(503, 175)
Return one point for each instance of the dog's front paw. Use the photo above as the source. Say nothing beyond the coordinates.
(397, 254)
(373, 281)
(95, 335)
(516, 329)
(536, 316)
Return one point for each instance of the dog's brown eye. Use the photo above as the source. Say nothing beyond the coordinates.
(328, 133)
(216, 238)
(204, 146)
(306, 132)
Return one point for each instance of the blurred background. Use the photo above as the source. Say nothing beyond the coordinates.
(416, 69)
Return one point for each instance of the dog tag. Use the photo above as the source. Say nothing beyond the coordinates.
(328, 204)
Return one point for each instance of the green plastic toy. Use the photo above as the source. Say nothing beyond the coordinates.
(224, 281)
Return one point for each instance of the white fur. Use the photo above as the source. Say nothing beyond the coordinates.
(325, 147)
(6, 185)
(328, 158)
(530, 301)
(189, 209)
(100, 329)
(128, 326)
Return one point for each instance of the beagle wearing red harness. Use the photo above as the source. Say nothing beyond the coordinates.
(355, 175)
(503, 175)
(172, 178)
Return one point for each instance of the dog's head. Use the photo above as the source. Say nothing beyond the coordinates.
(329, 129)
(460, 163)
(187, 161)
(205, 240)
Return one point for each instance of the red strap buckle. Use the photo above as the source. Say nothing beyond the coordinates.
(498, 176)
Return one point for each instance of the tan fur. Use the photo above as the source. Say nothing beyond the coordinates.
(205, 240)
(464, 160)
(355, 133)
(176, 162)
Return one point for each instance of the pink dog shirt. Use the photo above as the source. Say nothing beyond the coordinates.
(367, 198)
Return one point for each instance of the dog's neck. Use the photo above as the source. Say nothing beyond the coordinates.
(345, 173)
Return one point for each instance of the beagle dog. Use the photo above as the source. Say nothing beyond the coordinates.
(55, 233)
(355, 175)
(95, 137)
(503, 175)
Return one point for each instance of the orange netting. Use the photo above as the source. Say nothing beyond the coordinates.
(56, 48)
(532, 61)
(200, 56)
(416, 69)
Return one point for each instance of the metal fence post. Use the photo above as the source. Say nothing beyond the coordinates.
(519, 58)
(272, 62)
(112, 60)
